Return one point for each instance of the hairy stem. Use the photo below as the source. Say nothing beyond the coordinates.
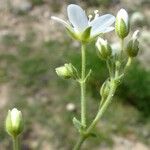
(103, 107)
(79, 143)
(100, 113)
(83, 85)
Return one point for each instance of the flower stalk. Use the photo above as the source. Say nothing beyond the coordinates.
(15, 143)
(83, 85)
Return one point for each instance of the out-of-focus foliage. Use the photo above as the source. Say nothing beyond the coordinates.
(136, 88)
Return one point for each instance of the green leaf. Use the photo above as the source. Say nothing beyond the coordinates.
(77, 124)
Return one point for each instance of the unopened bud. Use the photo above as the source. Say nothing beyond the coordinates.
(133, 45)
(104, 91)
(122, 23)
(65, 71)
(14, 122)
(104, 49)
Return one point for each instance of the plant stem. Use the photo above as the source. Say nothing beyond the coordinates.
(15, 143)
(122, 48)
(101, 111)
(79, 143)
(103, 108)
(83, 85)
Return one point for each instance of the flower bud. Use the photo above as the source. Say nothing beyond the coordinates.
(104, 91)
(104, 49)
(65, 71)
(133, 45)
(14, 122)
(122, 23)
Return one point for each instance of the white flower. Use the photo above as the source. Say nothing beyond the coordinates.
(122, 23)
(79, 23)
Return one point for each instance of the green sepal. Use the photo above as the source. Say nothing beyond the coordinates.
(72, 34)
(85, 37)
(104, 91)
(104, 52)
(72, 70)
(78, 124)
(132, 48)
(122, 29)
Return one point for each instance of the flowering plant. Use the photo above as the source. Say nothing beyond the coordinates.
(117, 61)
(86, 29)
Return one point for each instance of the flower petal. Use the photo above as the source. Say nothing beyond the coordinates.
(60, 21)
(108, 29)
(102, 22)
(102, 30)
(77, 17)
(122, 14)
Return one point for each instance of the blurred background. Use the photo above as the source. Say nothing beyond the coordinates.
(32, 46)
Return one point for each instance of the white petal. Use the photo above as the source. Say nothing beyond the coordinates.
(77, 17)
(108, 29)
(60, 21)
(102, 30)
(14, 116)
(101, 23)
(105, 20)
(122, 14)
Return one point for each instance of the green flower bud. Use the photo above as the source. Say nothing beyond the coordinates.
(14, 122)
(104, 91)
(104, 49)
(133, 45)
(66, 71)
(122, 24)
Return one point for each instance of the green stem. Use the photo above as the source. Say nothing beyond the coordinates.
(79, 143)
(122, 48)
(83, 85)
(15, 143)
(103, 108)
(101, 111)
